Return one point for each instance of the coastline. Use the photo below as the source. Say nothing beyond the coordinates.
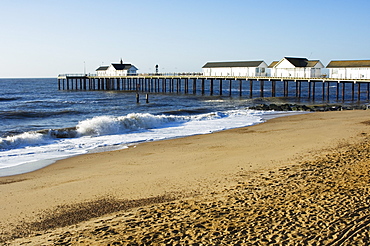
(42, 163)
(185, 167)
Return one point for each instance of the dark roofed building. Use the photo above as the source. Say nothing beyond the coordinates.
(117, 69)
(235, 68)
(233, 64)
(349, 63)
(349, 69)
(297, 62)
(121, 66)
(102, 68)
(100, 71)
(296, 67)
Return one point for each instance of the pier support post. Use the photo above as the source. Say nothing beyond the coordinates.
(186, 86)
(323, 91)
(337, 93)
(358, 91)
(230, 86)
(296, 88)
(262, 85)
(286, 88)
(118, 83)
(313, 90)
(211, 88)
(353, 91)
(203, 86)
(220, 87)
(343, 90)
(251, 88)
(240, 87)
(194, 86)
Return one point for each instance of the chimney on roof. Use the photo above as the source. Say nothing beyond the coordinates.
(121, 61)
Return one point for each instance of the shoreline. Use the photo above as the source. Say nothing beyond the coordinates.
(36, 165)
(199, 164)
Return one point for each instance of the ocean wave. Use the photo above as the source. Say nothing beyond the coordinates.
(112, 125)
(36, 138)
(33, 114)
(102, 126)
(107, 125)
(187, 111)
(23, 140)
(8, 98)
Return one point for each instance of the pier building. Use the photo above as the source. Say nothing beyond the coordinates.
(352, 69)
(117, 69)
(236, 68)
(296, 67)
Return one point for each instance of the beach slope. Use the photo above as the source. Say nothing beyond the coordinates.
(274, 182)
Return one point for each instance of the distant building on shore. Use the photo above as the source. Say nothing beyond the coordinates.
(296, 67)
(235, 68)
(117, 69)
(349, 69)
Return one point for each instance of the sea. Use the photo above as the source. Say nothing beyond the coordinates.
(40, 124)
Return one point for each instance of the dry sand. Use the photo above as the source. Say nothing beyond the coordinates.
(302, 179)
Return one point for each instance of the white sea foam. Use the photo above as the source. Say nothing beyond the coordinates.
(23, 140)
(28, 149)
(106, 125)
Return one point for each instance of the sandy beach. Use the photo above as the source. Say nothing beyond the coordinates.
(302, 179)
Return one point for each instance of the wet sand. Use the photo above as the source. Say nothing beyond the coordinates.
(299, 179)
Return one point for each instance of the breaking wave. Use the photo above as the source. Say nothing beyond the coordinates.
(103, 125)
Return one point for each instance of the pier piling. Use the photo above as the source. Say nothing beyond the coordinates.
(268, 86)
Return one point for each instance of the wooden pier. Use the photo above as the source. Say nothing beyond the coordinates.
(310, 88)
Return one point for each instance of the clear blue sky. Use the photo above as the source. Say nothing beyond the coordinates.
(42, 38)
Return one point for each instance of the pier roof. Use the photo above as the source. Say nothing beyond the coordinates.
(233, 64)
(297, 62)
(120, 66)
(273, 64)
(312, 63)
(349, 63)
(102, 68)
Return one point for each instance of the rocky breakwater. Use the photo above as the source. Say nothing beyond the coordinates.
(310, 108)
